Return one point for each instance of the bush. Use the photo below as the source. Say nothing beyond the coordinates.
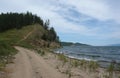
(42, 53)
(75, 63)
(93, 65)
(83, 63)
(111, 69)
(62, 58)
(6, 49)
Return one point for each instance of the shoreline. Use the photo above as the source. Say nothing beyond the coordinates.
(103, 63)
(99, 68)
(60, 64)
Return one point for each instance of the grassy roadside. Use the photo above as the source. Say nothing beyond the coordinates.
(74, 68)
(29, 37)
(8, 40)
(6, 53)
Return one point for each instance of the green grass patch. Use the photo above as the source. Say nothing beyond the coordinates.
(62, 58)
(93, 65)
(8, 40)
(6, 53)
(26, 45)
(110, 70)
(75, 63)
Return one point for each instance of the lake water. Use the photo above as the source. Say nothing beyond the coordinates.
(103, 54)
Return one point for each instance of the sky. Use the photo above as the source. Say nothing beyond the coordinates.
(95, 22)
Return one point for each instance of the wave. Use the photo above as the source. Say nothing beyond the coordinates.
(90, 55)
(74, 57)
(80, 58)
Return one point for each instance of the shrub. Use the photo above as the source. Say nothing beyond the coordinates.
(75, 63)
(93, 65)
(6, 52)
(42, 53)
(62, 58)
(111, 69)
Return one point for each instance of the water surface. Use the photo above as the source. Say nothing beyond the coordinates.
(103, 54)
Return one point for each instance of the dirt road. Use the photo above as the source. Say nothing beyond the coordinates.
(29, 64)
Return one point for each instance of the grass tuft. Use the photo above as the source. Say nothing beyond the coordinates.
(93, 65)
(42, 53)
(62, 57)
(75, 63)
(111, 70)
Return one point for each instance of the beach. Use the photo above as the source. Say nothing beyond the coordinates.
(33, 64)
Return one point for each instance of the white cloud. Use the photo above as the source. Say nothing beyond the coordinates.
(95, 8)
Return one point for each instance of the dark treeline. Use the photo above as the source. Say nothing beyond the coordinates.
(18, 20)
(51, 34)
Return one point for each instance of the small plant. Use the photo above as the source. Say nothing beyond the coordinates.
(83, 64)
(75, 63)
(6, 53)
(42, 53)
(57, 67)
(105, 76)
(69, 75)
(68, 72)
(111, 70)
(93, 65)
(2, 65)
(62, 58)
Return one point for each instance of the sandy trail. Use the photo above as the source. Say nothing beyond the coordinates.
(29, 64)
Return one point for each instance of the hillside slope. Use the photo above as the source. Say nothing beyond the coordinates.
(29, 36)
(26, 30)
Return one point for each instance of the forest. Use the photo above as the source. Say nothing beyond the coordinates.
(18, 20)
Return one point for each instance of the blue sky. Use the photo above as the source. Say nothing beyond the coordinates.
(95, 22)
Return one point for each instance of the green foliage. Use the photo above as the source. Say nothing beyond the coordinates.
(111, 69)
(68, 72)
(42, 53)
(75, 63)
(16, 29)
(50, 35)
(26, 45)
(6, 49)
(106, 76)
(62, 58)
(19, 20)
(6, 52)
(93, 65)
(83, 63)
(16, 20)
(8, 40)
(46, 24)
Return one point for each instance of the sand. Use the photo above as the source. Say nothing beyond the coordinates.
(29, 64)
